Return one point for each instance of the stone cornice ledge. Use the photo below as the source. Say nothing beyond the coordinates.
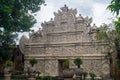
(83, 56)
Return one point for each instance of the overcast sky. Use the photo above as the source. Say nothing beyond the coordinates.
(91, 8)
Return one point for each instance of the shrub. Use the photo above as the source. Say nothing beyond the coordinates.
(92, 76)
(78, 62)
(39, 78)
(47, 78)
(84, 75)
(66, 63)
(33, 61)
(8, 63)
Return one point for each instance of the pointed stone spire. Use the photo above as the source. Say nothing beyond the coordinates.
(94, 26)
(65, 8)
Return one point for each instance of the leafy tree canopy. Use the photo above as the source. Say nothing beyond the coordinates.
(114, 6)
(15, 16)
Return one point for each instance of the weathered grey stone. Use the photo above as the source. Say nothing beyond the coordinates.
(7, 76)
(65, 37)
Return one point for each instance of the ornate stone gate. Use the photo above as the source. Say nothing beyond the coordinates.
(67, 36)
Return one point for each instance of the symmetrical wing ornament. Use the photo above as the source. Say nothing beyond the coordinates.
(23, 41)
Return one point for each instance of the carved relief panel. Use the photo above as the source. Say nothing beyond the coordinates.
(51, 67)
(92, 66)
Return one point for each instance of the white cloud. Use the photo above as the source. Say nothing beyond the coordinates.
(91, 8)
(45, 14)
(100, 14)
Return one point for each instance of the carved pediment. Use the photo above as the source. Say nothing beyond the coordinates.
(36, 36)
(65, 14)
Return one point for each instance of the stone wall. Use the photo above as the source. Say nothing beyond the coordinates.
(67, 36)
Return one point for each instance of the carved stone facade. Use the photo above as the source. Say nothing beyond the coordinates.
(67, 36)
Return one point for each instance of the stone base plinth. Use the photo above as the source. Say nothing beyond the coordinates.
(31, 78)
(7, 76)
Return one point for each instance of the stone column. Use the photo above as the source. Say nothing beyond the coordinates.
(7, 73)
(7, 76)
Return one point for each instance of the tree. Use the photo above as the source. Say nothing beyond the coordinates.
(114, 7)
(15, 17)
(111, 37)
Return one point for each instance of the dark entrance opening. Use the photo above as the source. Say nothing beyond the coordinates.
(61, 66)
